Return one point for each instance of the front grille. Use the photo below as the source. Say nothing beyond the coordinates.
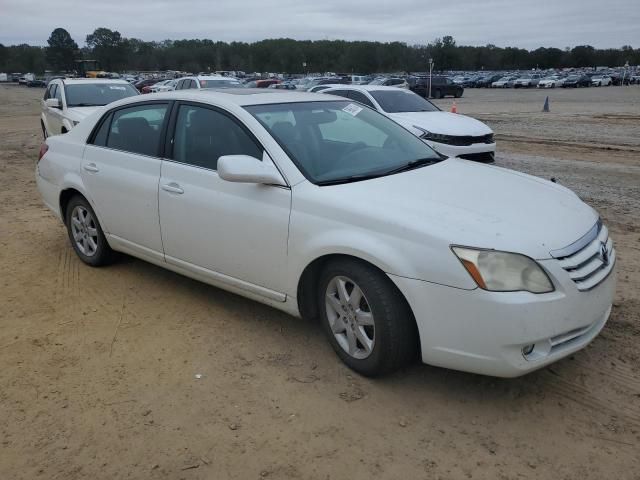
(484, 157)
(590, 259)
(464, 140)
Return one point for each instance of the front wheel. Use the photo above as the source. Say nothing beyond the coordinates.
(85, 233)
(367, 321)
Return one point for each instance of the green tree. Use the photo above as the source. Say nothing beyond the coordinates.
(108, 47)
(62, 50)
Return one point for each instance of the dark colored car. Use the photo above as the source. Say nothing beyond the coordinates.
(440, 87)
(486, 81)
(575, 81)
(36, 83)
(147, 82)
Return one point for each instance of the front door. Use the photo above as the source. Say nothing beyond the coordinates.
(234, 232)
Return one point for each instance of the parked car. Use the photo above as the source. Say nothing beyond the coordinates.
(396, 251)
(360, 79)
(68, 101)
(552, 81)
(601, 81)
(504, 82)
(282, 86)
(36, 83)
(447, 133)
(390, 82)
(207, 81)
(527, 81)
(145, 82)
(576, 81)
(163, 86)
(487, 81)
(440, 87)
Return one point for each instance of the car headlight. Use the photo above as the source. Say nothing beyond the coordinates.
(503, 271)
(434, 137)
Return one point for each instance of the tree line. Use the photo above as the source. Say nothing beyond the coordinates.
(117, 53)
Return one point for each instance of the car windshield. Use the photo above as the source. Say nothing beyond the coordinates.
(97, 94)
(220, 84)
(340, 141)
(396, 101)
(378, 81)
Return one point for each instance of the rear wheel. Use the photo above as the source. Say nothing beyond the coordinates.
(85, 233)
(44, 130)
(437, 94)
(366, 319)
(458, 94)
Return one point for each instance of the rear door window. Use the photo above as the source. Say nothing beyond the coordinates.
(137, 129)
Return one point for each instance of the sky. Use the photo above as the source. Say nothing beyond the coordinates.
(520, 23)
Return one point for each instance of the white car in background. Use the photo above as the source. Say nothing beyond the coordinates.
(327, 209)
(207, 81)
(66, 101)
(163, 86)
(450, 134)
(390, 82)
(551, 82)
(527, 81)
(601, 81)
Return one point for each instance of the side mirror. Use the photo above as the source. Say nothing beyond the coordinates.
(52, 103)
(246, 169)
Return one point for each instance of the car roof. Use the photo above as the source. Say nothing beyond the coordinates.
(232, 96)
(368, 88)
(77, 81)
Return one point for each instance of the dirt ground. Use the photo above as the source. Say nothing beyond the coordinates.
(134, 372)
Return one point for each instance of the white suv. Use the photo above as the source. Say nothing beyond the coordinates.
(67, 101)
(207, 81)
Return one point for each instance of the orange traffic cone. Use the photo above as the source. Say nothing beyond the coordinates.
(454, 107)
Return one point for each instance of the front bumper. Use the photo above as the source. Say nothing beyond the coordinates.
(485, 332)
(462, 151)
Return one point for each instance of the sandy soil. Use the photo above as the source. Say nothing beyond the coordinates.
(98, 366)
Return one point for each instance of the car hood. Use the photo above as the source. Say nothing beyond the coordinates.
(465, 203)
(444, 123)
(80, 113)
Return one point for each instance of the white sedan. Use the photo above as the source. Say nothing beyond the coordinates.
(68, 101)
(447, 133)
(551, 82)
(601, 81)
(326, 209)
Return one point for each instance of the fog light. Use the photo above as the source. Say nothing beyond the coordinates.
(527, 349)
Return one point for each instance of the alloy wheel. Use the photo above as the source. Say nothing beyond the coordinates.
(350, 318)
(84, 230)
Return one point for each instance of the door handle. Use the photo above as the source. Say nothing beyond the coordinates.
(91, 167)
(173, 187)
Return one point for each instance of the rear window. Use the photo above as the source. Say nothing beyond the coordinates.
(220, 84)
(97, 94)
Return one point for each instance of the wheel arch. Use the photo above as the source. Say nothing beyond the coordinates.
(308, 284)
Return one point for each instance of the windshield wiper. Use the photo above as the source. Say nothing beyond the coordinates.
(413, 164)
(350, 179)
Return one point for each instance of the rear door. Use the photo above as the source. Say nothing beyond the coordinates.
(234, 233)
(121, 170)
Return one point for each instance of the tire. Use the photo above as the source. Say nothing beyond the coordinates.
(85, 233)
(44, 130)
(382, 315)
(458, 94)
(437, 94)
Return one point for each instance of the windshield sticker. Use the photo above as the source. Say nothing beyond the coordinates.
(113, 87)
(352, 109)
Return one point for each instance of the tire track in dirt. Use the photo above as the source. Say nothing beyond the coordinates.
(584, 396)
